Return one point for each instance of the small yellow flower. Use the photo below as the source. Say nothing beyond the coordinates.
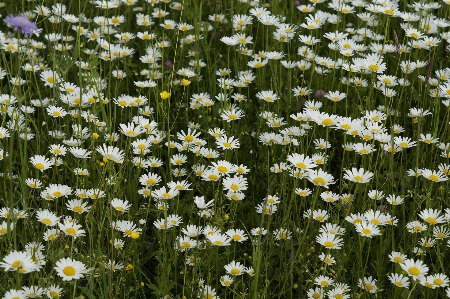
(164, 95)
(95, 135)
(134, 235)
(185, 82)
(129, 267)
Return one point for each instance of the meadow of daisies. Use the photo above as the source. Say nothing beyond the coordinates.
(224, 149)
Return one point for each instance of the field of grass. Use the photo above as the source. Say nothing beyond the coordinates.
(224, 149)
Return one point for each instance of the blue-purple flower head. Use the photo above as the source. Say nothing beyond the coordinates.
(22, 22)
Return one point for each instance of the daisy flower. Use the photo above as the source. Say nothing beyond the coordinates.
(404, 142)
(111, 153)
(114, 266)
(183, 243)
(327, 258)
(131, 130)
(118, 244)
(19, 261)
(236, 183)
(320, 178)
(69, 269)
(358, 175)
(367, 229)
(120, 205)
(303, 192)
(56, 111)
(226, 143)
(416, 227)
(164, 194)
(49, 77)
(33, 183)
(237, 235)
(219, 239)
(77, 206)
(432, 216)
(329, 241)
(282, 234)
(226, 280)
(235, 268)
(399, 280)
(441, 232)
(323, 281)
(397, 257)
(415, 269)
(232, 114)
(301, 161)
(368, 284)
(435, 176)
(47, 217)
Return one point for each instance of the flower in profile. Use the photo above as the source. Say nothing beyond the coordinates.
(358, 175)
(22, 22)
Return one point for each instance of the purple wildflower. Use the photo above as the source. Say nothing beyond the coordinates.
(320, 93)
(23, 23)
(168, 63)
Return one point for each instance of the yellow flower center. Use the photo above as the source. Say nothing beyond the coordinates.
(69, 271)
(438, 281)
(234, 187)
(434, 178)
(301, 165)
(358, 178)
(366, 231)
(46, 221)
(222, 169)
(327, 122)
(329, 244)
(373, 67)
(319, 181)
(71, 231)
(414, 271)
